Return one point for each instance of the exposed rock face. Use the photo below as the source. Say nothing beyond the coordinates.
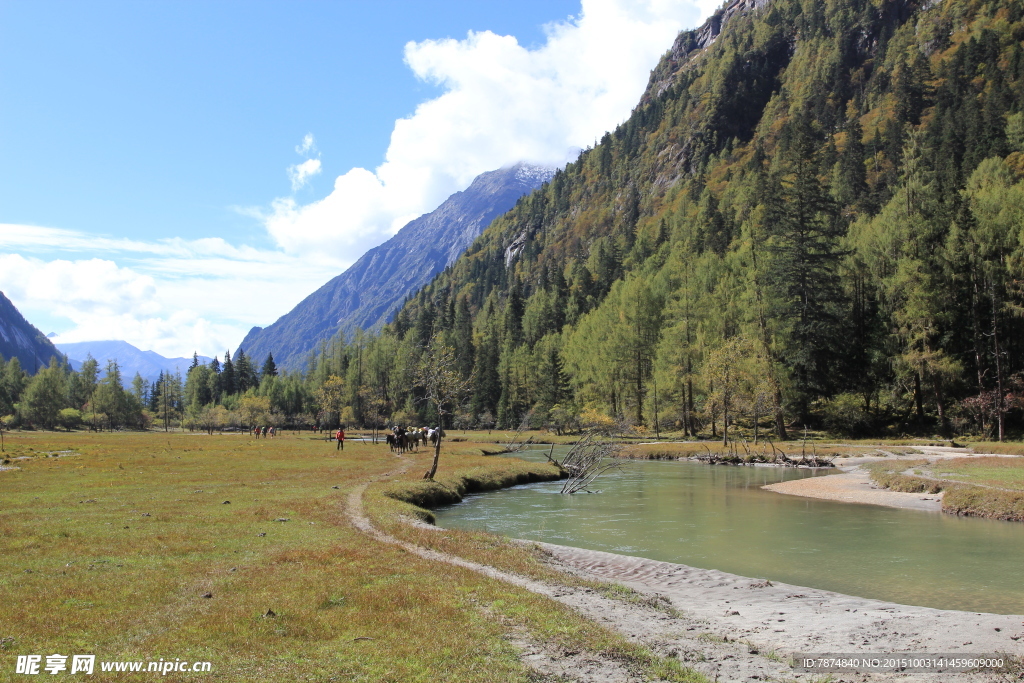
(689, 41)
(367, 294)
(19, 338)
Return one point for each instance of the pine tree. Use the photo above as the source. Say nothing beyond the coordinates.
(804, 246)
(245, 373)
(269, 367)
(228, 383)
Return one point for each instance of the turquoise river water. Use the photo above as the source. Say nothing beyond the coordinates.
(719, 518)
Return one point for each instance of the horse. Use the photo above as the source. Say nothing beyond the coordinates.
(392, 442)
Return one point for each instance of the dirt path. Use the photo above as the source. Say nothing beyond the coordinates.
(729, 627)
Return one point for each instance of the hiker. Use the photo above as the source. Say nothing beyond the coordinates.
(341, 438)
(257, 430)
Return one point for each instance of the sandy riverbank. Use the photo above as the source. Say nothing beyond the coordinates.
(734, 628)
(855, 486)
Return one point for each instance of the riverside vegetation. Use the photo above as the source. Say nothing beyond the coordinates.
(138, 546)
(980, 486)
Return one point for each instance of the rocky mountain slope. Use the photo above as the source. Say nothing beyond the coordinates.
(20, 339)
(366, 295)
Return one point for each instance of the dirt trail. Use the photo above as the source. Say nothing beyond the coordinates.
(729, 627)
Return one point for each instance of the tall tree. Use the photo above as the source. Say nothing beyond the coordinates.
(806, 255)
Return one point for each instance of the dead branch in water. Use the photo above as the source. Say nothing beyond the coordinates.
(585, 462)
(523, 426)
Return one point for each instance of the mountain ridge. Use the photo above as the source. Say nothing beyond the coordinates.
(130, 358)
(21, 339)
(368, 292)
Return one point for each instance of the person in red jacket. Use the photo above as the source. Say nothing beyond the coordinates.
(341, 438)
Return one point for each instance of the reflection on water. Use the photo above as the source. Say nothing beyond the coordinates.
(719, 518)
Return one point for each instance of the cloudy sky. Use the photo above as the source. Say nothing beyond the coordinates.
(172, 174)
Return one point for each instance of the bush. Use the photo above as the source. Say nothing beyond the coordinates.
(69, 418)
(598, 422)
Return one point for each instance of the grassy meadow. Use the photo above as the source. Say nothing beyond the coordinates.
(112, 541)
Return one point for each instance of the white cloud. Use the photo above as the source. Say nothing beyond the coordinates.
(307, 145)
(300, 174)
(172, 296)
(501, 103)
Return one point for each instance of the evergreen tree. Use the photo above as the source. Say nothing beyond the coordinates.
(805, 250)
(245, 373)
(228, 383)
(269, 367)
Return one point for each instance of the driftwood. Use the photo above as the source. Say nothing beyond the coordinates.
(585, 462)
(523, 425)
(731, 456)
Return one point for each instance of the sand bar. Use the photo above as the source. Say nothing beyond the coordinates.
(855, 486)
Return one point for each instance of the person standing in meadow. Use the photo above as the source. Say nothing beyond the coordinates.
(341, 438)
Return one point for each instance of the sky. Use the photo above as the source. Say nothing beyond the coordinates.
(173, 173)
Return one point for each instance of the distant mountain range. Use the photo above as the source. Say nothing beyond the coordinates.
(20, 339)
(367, 294)
(130, 359)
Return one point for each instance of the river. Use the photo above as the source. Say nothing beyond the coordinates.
(719, 518)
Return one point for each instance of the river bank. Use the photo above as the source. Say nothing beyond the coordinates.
(746, 629)
(726, 626)
(855, 486)
(858, 485)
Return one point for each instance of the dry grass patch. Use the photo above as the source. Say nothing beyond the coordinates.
(1001, 448)
(110, 552)
(890, 474)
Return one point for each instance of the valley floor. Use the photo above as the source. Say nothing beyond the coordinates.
(288, 559)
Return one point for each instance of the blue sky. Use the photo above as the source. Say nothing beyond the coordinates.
(172, 173)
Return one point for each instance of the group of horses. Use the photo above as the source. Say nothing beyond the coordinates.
(402, 440)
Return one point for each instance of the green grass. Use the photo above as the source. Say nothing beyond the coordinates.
(109, 552)
(976, 486)
(1005, 473)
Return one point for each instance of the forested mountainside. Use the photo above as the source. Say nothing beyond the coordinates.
(816, 217)
(366, 295)
(22, 340)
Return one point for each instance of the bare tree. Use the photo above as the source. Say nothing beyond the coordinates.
(443, 387)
